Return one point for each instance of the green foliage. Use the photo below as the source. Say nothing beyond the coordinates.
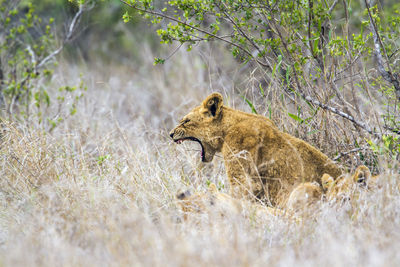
(26, 44)
(25, 41)
(301, 45)
(289, 33)
(159, 61)
(389, 146)
(102, 159)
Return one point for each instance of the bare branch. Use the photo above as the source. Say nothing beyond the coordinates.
(310, 18)
(386, 74)
(393, 130)
(68, 36)
(173, 52)
(341, 154)
(333, 6)
(340, 113)
(32, 54)
(394, 53)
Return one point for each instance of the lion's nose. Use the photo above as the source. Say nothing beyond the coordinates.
(171, 134)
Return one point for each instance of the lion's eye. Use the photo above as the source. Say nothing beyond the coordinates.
(185, 121)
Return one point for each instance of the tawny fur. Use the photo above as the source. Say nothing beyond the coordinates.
(304, 195)
(261, 161)
(214, 203)
(343, 187)
(208, 202)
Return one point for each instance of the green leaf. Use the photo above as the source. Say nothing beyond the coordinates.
(261, 89)
(270, 112)
(126, 17)
(46, 98)
(158, 61)
(313, 132)
(250, 104)
(295, 117)
(277, 65)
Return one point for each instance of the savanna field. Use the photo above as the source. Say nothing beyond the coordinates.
(91, 179)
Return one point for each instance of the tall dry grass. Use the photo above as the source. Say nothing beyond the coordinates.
(100, 188)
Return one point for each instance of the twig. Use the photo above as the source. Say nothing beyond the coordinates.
(341, 154)
(394, 53)
(241, 31)
(197, 29)
(333, 6)
(71, 30)
(386, 74)
(324, 106)
(1, 85)
(347, 32)
(318, 103)
(340, 113)
(310, 18)
(32, 53)
(348, 65)
(396, 131)
(173, 52)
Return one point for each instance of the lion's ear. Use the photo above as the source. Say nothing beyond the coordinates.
(213, 103)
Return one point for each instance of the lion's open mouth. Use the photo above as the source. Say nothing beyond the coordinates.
(179, 141)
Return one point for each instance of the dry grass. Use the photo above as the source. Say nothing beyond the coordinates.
(100, 189)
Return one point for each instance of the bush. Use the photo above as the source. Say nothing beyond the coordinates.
(27, 50)
(308, 56)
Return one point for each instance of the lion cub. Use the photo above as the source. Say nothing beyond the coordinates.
(214, 202)
(261, 161)
(304, 195)
(211, 201)
(344, 185)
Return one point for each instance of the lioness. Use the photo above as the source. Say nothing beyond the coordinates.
(260, 160)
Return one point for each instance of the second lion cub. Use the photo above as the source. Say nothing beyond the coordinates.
(216, 203)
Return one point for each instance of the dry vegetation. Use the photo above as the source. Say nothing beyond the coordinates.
(100, 188)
